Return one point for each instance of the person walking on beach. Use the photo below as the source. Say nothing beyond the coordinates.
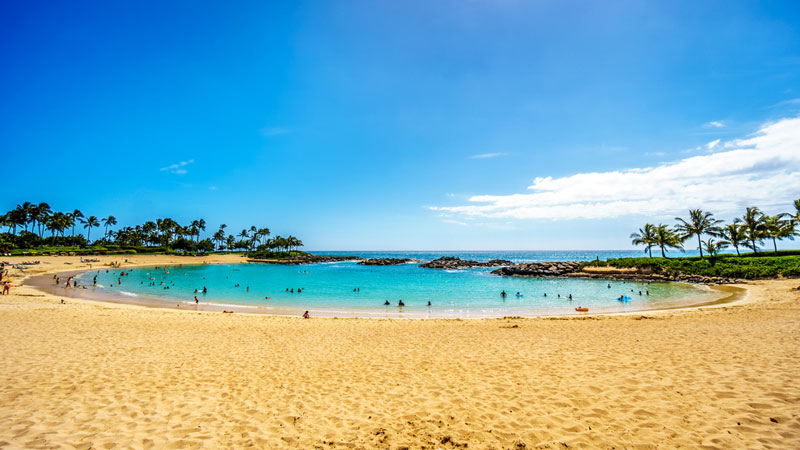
(196, 301)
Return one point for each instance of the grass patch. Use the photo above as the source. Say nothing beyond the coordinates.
(749, 266)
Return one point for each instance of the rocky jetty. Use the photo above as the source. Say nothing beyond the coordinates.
(387, 261)
(304, 259)
(540, 269)
(452, 262)
(575, 269)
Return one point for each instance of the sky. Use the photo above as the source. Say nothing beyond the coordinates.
(364, 125)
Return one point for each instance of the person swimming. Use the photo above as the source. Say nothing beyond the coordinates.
(502, 293)
(400, 303)
(386, 303)
(429, 303)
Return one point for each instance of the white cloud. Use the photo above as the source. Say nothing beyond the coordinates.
(763, 170)
(177, 168)
(714, 124)
(274, 131)
(488, 155)
(712, 144)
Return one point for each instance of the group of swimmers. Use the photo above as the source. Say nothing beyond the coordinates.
(519, 295)
(400, 303)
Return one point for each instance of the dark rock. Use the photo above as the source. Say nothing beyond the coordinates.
(452, 262)
(386, 261)
(540, 269)
(305, 259)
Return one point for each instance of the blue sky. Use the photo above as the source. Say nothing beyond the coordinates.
(403, 125)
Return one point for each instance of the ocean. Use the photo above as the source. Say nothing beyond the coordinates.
(347, 289)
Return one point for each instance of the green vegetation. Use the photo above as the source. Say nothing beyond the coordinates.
(749, 231)
(749, 266)
(277, 255)
(29, 224)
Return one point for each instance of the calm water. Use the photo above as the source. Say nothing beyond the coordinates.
(329, 287)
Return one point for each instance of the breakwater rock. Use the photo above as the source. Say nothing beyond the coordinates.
(303, 259)
(452, 262)
(575, 269)
(386, 261)
(540, 269)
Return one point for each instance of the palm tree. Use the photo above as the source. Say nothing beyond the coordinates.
(665, 237)
(90, 222)
(43, 212)
(646, 237)
(700, 222)
(26, 212)
(753, 223)
(201, 224)
(77, 215)
(713, 247)
(777, 227)
(796, 216)
(109, 221)
(219, 236)
(263, 232)
(734, 234)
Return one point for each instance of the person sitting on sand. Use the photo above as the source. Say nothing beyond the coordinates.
(305, 315)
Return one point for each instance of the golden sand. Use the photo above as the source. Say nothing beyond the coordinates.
(95, 375)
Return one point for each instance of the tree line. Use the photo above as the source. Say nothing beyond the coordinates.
(748, 231)
(31, 225)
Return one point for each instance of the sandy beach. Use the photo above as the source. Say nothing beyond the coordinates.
(94, 375)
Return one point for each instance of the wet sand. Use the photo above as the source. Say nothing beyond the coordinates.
(98, 375)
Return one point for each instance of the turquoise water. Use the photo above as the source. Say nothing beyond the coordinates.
(328, 288)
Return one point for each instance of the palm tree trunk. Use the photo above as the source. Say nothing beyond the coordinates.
(700, 246)
(755, 249)
(663, 255)
(775, 245)
(737, 250)
(650, 251)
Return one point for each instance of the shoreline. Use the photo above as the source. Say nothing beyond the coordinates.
(42, 282)
(89, 374)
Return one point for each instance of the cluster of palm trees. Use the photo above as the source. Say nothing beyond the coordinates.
(38, 218)
(29, 222)
(749, 231)
(255, 238)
